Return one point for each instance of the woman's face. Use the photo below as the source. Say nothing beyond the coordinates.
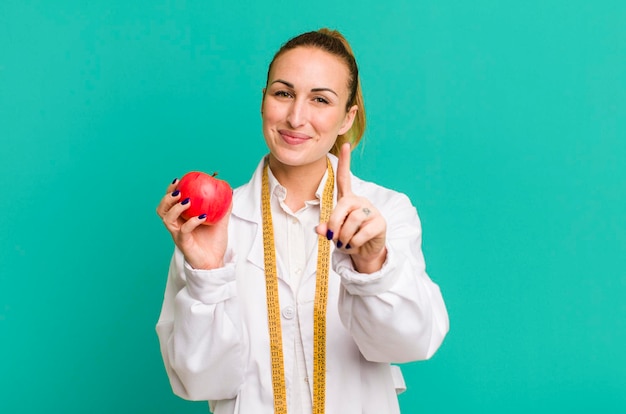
(304, 106)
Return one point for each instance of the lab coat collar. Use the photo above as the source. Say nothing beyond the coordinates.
(247, 206)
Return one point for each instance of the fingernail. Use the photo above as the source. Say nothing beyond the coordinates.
(175, 193)
(185, 201)
(175, 179)
(202, 216)
(348, 246)
(329, 234)
(339, 244)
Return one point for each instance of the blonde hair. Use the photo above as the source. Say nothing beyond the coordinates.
(333, 42)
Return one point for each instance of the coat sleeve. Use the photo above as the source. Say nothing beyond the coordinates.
(396, 314)
(200, 333)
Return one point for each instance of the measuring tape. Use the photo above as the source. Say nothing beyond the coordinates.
(319, 310)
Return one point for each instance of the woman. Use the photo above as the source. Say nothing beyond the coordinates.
(264, 315)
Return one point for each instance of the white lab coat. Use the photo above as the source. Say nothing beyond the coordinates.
(213, 324)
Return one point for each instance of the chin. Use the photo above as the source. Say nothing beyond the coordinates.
(290, 159)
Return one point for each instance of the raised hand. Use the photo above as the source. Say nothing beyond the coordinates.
(203, 246)
(355, 225)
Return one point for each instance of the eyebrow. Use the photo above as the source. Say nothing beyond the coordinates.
(290, 85)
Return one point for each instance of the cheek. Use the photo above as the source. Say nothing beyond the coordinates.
(330, 123)
(271, 112)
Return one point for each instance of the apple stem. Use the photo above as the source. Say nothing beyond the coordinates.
(214, 174)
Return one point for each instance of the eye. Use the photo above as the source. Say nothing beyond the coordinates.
(282, 94)
(320, 99)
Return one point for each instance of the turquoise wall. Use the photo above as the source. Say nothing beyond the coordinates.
(505, 122)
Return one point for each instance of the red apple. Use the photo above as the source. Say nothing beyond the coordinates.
(207, 195)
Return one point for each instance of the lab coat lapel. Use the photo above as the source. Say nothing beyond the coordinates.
(247, 206)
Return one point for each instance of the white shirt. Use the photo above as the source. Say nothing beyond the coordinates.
(213, 324)
(296, 242)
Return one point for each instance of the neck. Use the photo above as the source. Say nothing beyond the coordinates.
(301, 181)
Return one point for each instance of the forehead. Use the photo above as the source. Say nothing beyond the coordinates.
(310, 65)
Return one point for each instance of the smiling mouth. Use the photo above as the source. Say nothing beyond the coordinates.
(293, 138)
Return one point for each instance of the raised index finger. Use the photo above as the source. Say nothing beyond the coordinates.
(344, 187)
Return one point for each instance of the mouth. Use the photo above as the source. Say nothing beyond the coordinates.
(292, 137)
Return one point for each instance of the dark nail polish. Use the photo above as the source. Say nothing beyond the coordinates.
(175, 179)
(185, 201)
(202, 216)
(175, 193)
(348, 246)
(339, 244)
(329, 234)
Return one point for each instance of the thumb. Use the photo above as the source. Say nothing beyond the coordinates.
(321, 229)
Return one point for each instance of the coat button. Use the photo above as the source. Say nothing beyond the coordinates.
(288, 312)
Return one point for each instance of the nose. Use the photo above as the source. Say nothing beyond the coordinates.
(297, 113)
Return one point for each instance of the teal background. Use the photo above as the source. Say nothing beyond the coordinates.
(505, 123)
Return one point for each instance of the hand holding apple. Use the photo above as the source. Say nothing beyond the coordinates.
(203, 246)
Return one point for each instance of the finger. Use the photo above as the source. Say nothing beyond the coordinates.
(321, 229)
(366, 232)
(352, 227)
(191, 224)
(340, 214)
(172, 186)
(166, 203)
(344, 186)
(172, 217)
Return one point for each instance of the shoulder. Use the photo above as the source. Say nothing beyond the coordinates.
(397, 209)
(385, 199)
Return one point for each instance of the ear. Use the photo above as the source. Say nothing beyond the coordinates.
(348, 120)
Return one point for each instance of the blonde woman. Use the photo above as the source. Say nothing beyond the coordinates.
(303, 295)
